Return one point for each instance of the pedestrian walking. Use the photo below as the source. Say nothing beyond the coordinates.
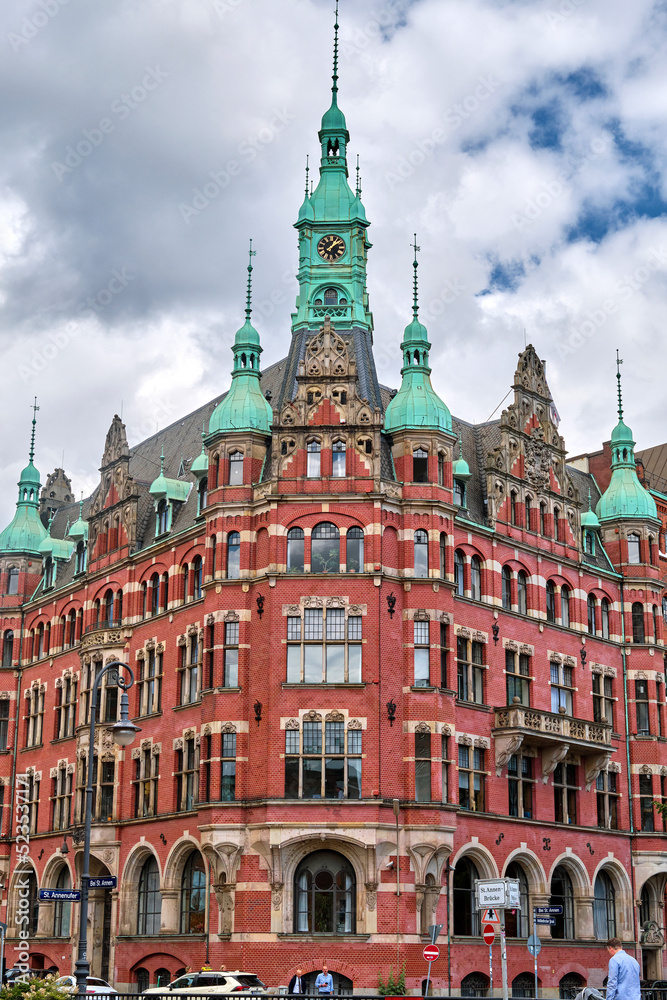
(296, 982)
(324, 982)
(623, 981)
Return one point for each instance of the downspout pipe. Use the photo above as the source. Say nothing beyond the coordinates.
(12, 804)
(628, 766)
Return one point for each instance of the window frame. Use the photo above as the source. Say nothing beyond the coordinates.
(316, 741)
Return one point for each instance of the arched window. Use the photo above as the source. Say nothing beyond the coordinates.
(202, 495)
(443, 553)
(570, 985)
(295, 538)
(523, 985)
(604, 908)
(8, 648)
(236, 468)
(590, 609)
(475, 579)
(325, 548)
(162, 978)
(522, 592)
(324, 895)
(475, 984)
(330, 297)
(543, 519)
(233, 555)
(13, 581)
(40, 641)
(506, 583)
(565, 606)
(551, 601)
(154, 590)
(143, 979)
(562, 895)
(196, 578)
(338, 460)
(459, 576)
(164, 598)
(557, 524)
(513, 507)
(313, 463)
(144, 599)
(638, 634)
(441, 468)
(62, 908)
(162, 518)
(634, 554)
(149, 898)
(81, 558)
(421, 553)
(466, 914)
(527, 513)
(419, 466)
(518, 922)
(33, 902)
(193, 895)
(355, 550)
(604, 617)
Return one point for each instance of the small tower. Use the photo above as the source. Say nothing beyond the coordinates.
(241, 422)
(56, 494)
(20, 559)
(417, 419)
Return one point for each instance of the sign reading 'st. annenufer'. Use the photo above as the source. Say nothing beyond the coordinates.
(497, 892)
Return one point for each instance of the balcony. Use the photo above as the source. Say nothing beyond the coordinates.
(105, 633)
(556, 736)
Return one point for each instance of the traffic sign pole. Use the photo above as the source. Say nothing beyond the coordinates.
(503, 953)
(431, 954)
(491, 968)
(534, 935)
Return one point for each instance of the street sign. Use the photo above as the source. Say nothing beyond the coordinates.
(548, 909)
(67, 894)
(545, 920)
(534, 945)
(497, 893)
(513, 892)
(433, 931)
(489, 934)
(491, 916)
(108, 882)
(431, 953)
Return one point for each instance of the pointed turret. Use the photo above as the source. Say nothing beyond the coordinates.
(199, 467)
(416, 403)
(26, 531)
(244, 407)
(625, 497)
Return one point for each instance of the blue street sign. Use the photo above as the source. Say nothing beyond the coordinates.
(108, 882)
(68, 894)
(545, 920)
(548, 909)
(534, 945)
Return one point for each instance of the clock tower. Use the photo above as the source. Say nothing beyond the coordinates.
(333, 241)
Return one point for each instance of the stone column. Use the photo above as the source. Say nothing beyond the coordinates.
(170, 916)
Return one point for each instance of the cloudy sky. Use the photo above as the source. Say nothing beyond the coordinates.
(523, 140)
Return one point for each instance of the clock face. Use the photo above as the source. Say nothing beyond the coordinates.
(331, 247)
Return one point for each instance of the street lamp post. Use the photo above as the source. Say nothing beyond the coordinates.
(124, 733)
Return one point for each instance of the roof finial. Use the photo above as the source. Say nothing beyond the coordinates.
(619, 362)
(334, 89)
(307, 171)
(590, 503)
(248, 307)
(415, 264)
(460, 445)
(162, 461)
(34, 409)
(358, 191)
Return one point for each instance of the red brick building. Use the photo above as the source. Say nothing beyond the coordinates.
(341, 601)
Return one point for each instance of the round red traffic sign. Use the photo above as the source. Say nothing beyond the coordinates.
(489, 933)
(431, 953)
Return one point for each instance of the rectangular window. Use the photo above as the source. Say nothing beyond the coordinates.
(520, 783)
(565, 793)
(607, 800)
(444, 653)
(317, 768)
(603, 702)
(324, 648)
(470, 670)
(62, 799)
(231, 655)
(471, 779)
(646, 802)
(228, 768)
(445, 762)
(4, 724)
(561, 688)
(641, 708)
(423, 767)
(422, 655)
(150, 683)
(187, 776)
(145, 783)
(189, 671)
(517, 669)
(35, 717)
(27, 796)
(107, 779)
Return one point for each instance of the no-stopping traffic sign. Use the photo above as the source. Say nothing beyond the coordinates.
(431, 953)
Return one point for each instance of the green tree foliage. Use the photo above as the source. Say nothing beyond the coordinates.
(394, 987)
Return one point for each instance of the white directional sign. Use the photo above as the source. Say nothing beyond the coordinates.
(497, 893)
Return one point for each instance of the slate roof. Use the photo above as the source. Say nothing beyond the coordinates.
(654, 461)
(360, 350)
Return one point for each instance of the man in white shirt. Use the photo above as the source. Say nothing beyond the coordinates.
(296, 982)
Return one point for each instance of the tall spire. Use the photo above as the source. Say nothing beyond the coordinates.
(34, 409)
(358, 190)
(248, 300)
(334, 88)
(619, 362)
(307, 172)
(26, 531)
(415, 294)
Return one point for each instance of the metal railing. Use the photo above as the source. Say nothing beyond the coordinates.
(103, 623)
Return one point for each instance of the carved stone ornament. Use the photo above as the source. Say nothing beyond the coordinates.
(182, 640)
(371, 895)
(228, 727)
(150, 644)
(482, 743)
(140, 654)
(188, 734)
(192, 630)
(614, 766)
(292, 610)
(462, 631)
(334, 717)
(422, 727)
(156, 749)
(276, 895)
(354, 724)
(551, 757)
(538, 460)
(313, 602)
(446, 730)
(108, 755)
(335, 602)
(446, 618)
(159, 648)
(645, 769)
(107, 855)
(59, 684)
(422, 616)
(206, 730)
(292, 724)
(115, 446)
(464, 740)
(178, 743)
(54, 772)
(594, 765)
(511, 645)
(355, 610)
(312, 716)
(231, 616)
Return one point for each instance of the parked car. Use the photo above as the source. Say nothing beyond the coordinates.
(93, 985)
(212, 982)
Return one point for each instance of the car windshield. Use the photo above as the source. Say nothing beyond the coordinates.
(180, 984)
(251, 982)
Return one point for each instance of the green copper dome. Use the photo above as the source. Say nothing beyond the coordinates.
(590, 520)
(461, 469)
(244, 408)
(333, 120)
(625, 496)
(79, 530)
(26, 531)
(416, 404)
(199, 467)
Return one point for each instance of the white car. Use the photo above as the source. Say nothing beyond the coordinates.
(93, 985)
(194, 983)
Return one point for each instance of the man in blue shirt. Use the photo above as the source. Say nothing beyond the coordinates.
(624, 974)
(324, 982)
